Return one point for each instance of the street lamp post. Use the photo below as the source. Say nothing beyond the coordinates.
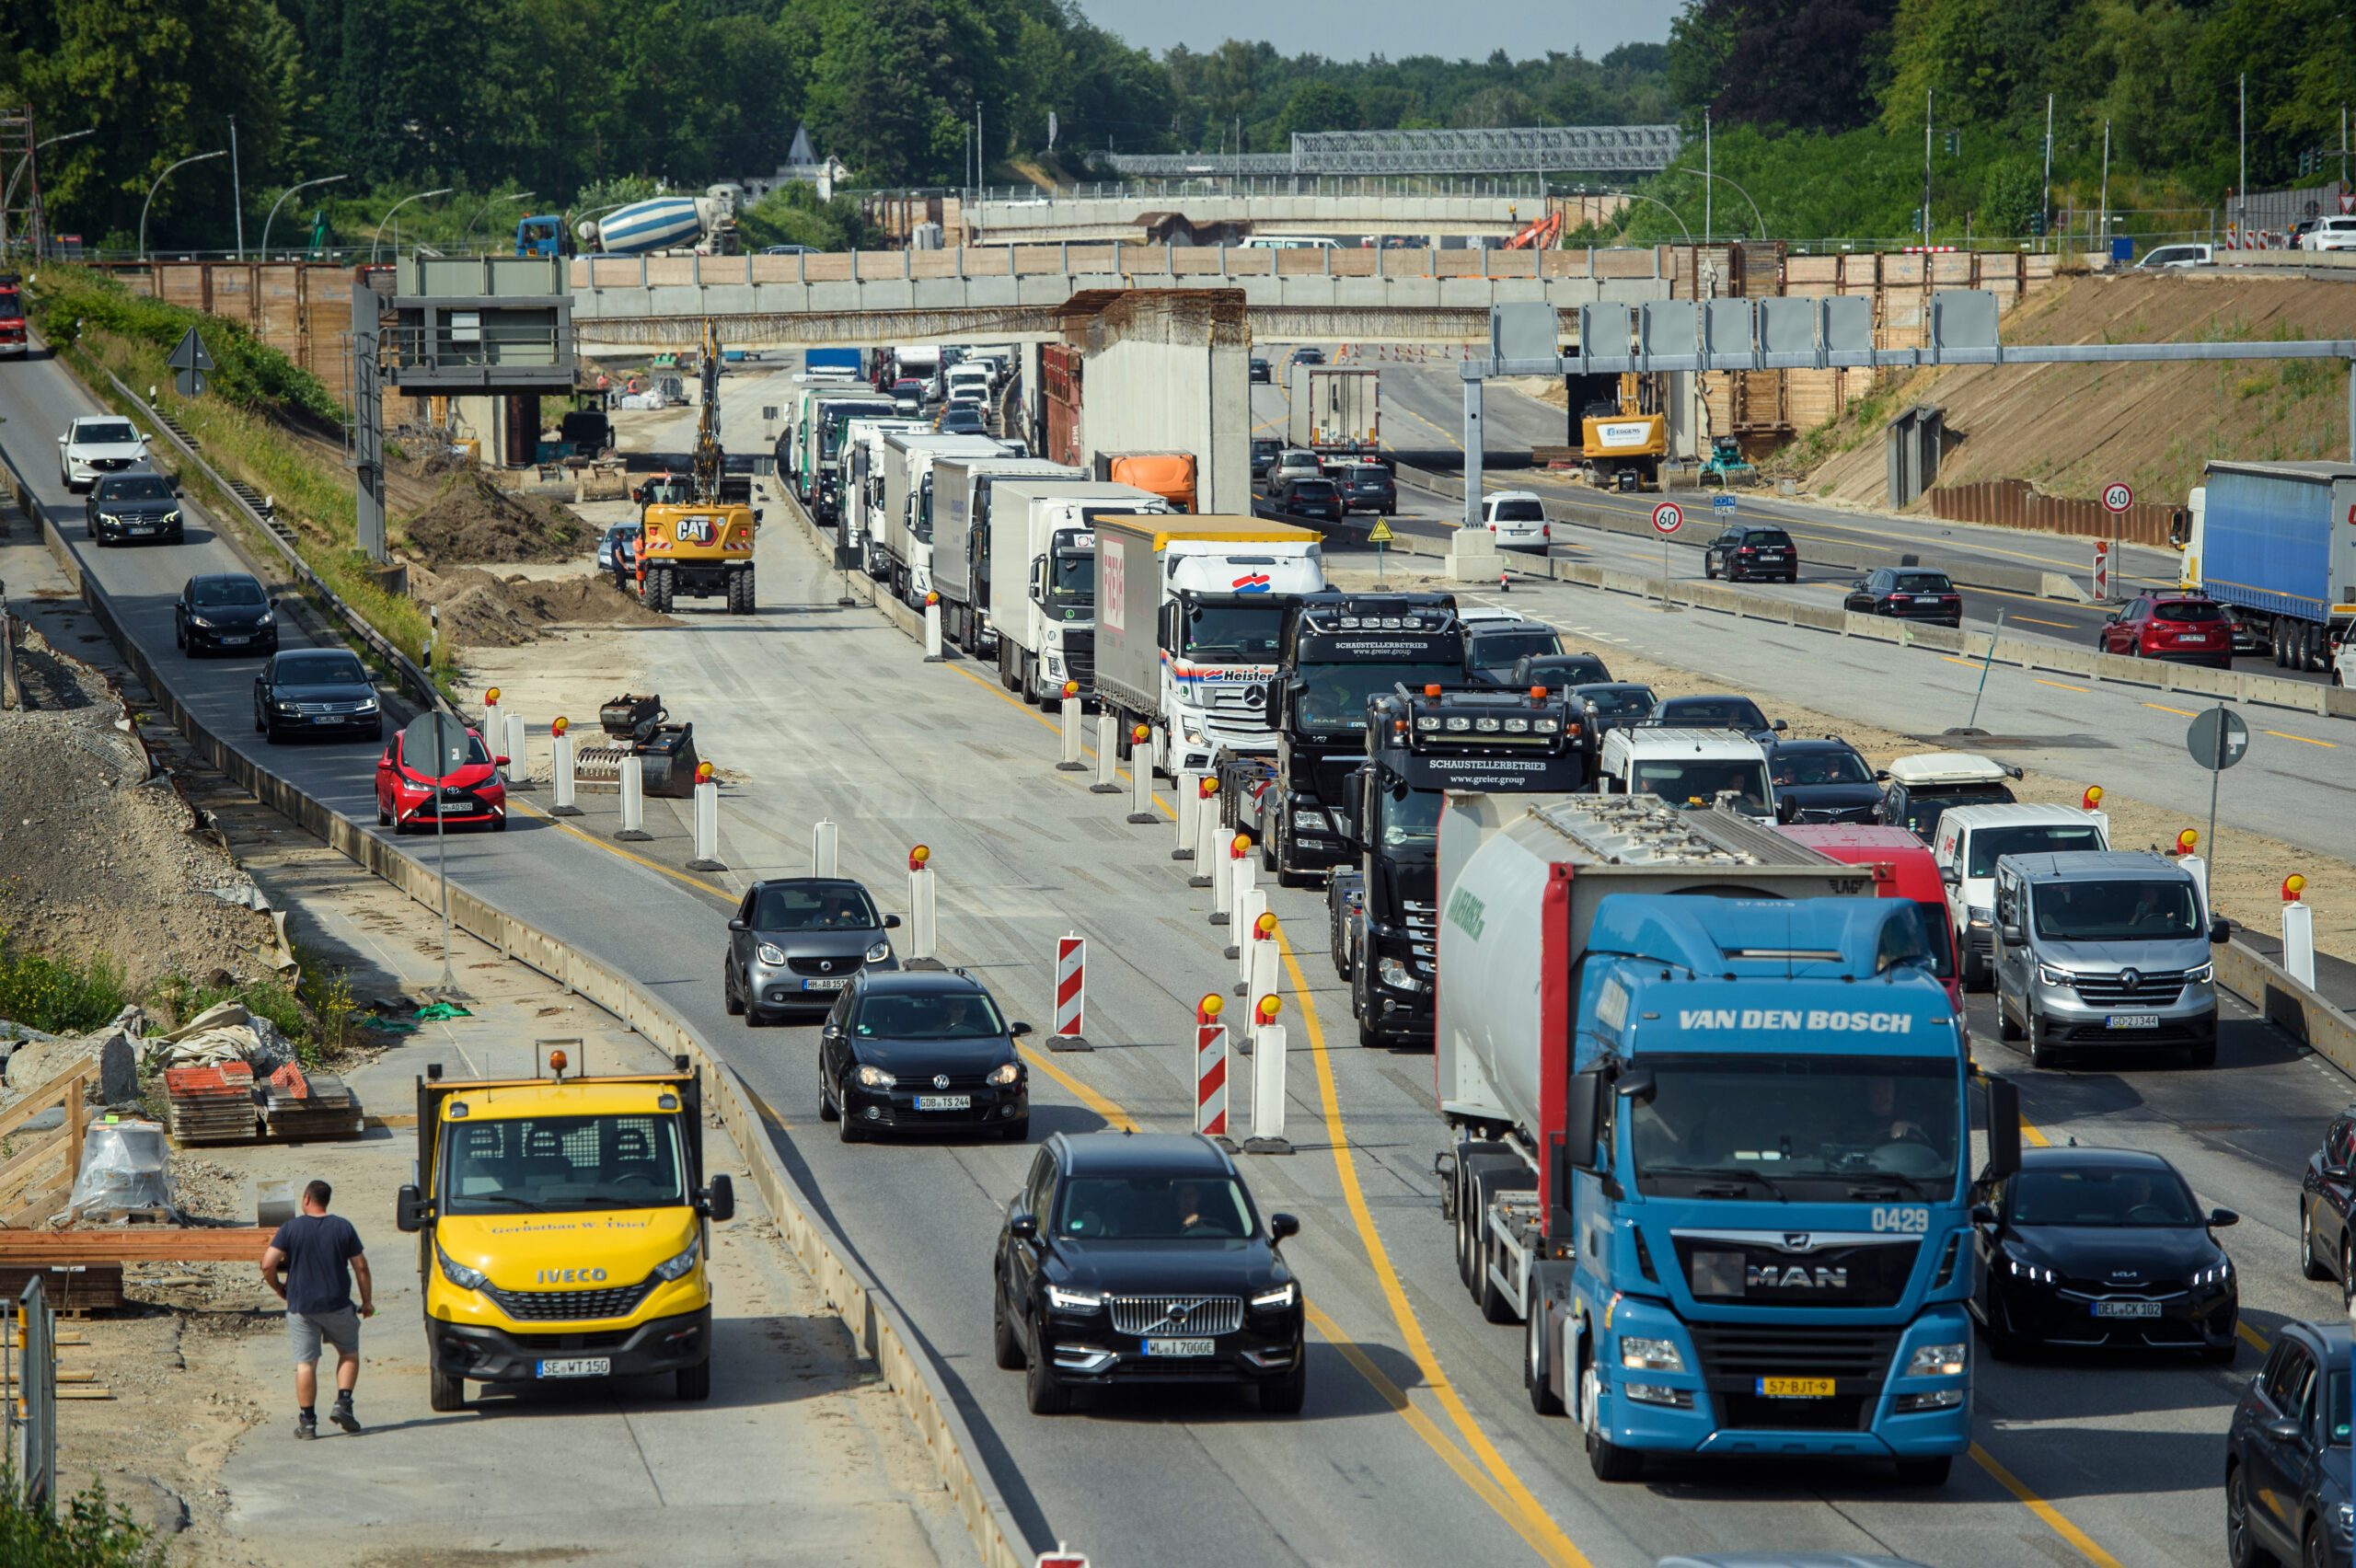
(329, 180)
(487, 206)
(1708, 174)
(396, 207)
(197, 157)
(1665, 207)
(22, 164)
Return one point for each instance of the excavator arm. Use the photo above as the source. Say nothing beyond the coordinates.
(708, 454)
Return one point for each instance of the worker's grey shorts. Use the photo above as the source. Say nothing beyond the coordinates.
(341, 1329)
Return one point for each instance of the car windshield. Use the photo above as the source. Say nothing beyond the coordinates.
(1694, 784)
(1618, 702)
(2116, 911)
(1333, 696)
(1153, 1209)
(240, 590)
(1778, 1117)
(1821, 767)
(950, 1015)
(1313, 490)
(1990, 844)
(1722, 712)
(1921, 583)
(1924, 810)
(105, 432)
(1073, 579)
(320, 669)
(1941, 937)
(2189, 610)
(1519, 511)
(552, 1164)
(840, 908)
(1408, 816)
(2097, 1194)
(134, 487)
(1498, 650)
(964, 419)
(1234, 634)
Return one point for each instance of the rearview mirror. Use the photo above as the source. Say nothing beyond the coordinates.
(2221, 1217)
(2221, 931)
(720, 1198)
(1779, 726)
(410, 1209)
(1636, 1086)
(1017, 1029)
(1024, 1227)
(2283, 1431)
(499, 762)
(891, 922)
(738, 925)
(1982, 1215)
(1283, 1225)
(2009, 933)
(1951, 875)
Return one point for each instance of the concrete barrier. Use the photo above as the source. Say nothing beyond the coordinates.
(2294, 1007)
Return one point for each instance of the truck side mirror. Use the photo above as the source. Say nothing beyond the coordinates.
(1582, 1110)
(410, 1211)
(720, 1198)
(1951, 875)
(2003, 1127)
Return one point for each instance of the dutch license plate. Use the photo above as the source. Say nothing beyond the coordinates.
(834, 982)
(944, 1102)
(1177, 1347)
(2127, 1309)
(233, 641)
(1796, 1387)
(2133, 1020)
(579, 1367)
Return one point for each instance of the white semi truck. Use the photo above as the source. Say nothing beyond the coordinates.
(1042, 578)
(904, 531)
(961, 498)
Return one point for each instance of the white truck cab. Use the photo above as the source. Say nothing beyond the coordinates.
(1688, 768)
(1971, 840)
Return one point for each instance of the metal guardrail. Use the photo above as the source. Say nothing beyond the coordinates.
(29, 1363)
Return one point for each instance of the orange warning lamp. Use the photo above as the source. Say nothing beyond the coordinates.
(2091, 798)
(492, 697)
(1071, 689)
(1538, 694)
(2186, 841)
(2294, 885)
(1431, 691)
(917, 857)
(1208, 1008)
(1210, 788)
(931, 600)
(558, 1062)
(1240, 847)
(1266, 926)
(1270, 1007)
(560, 726)
(1140, 735)
(703, 773)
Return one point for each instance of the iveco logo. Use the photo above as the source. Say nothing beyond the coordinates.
(2131, 980)
(940, 1080)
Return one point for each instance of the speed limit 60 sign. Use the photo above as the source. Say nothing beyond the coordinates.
(1668, 517)
(2117, 497)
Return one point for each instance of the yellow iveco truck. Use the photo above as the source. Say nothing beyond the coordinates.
(563, 1228)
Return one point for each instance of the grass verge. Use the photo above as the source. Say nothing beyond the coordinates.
(68, 995)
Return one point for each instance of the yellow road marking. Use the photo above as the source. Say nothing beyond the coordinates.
(2259, 1340)
(2066, 685)
(716, 892)
(1107, 1109)
(2032, 621)
(2046, 1511)
(1967, 664)
(1422, 1425)
(2164, 708)
(2300, 739)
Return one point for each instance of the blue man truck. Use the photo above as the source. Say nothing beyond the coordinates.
(1711, 1135)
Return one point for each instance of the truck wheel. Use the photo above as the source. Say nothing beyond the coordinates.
(661, 580)
(1611, 1463)
(1537, 1365)
(1497, 1178)
(445, 1391)
(693, 1382)
(740, 591)
(1925, 1472)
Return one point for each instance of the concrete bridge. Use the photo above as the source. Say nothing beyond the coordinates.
(1190, 215)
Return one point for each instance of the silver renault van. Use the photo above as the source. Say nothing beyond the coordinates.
(2105, 952)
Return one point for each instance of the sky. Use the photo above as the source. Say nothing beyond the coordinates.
(1352, 30)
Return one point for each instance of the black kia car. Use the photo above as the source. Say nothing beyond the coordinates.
(2101, 1248)
(124, 508)
(921, 1051)
(1908, 595)
(224, 612)
(315, 691)
(2328, 1207)
(1824, 780)
(794, 943)
(1134, 1258)
(1713, 713)
(2287, 1490)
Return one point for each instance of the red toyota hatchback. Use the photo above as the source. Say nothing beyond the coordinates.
(2172, 626)
(471, 793)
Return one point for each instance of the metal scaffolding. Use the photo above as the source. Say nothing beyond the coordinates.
(1569, 149)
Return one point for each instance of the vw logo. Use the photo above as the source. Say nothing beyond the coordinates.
(826, 966)
(940, 1080)
(2131, 979)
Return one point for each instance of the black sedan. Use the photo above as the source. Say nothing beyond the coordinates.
(1713, 713)
(318, 691)
(224, 612)
(2101, 1248)
(1822, 781)
(2287, 1492)
(1908, 595)
(1260, 369)
(1368, 486)
(1608, 705)
(2328, 1207)
(795, 942)
(1141, 1259)
(1314, 498)
(123, 508)
(913, 1052)
(1750, 549)
(1265, 450)
(1556, 672)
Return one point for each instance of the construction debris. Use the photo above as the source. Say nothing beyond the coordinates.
(226, 1032)
(125, 1167)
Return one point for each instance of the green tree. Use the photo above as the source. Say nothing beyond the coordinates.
(2010, 198)
(1317, 106)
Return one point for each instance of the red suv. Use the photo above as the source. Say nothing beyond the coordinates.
(2171, 626)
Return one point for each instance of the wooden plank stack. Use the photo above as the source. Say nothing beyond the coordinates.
(317, 1106)
(211, 1104)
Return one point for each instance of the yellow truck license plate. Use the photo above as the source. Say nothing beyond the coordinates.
(1796, 1387)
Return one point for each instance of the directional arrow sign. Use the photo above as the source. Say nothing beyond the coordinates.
(190, 361)
(2212, 749)
(1381, 533)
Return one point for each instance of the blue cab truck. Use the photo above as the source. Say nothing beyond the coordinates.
(2277, 541)
(1710, 1116)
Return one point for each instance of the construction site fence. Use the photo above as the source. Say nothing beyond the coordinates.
(2015, 503)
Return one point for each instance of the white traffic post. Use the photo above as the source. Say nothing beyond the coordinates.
(707, 821)
(492, 733)
(1243, 874)
(2298, 932)
(1108, 779)
(561, 768)
(1206, 829)
(932, 654)
(1268, 1081)
(511, 743)
(1248, 910)
(1072, 763)
(1264, 962)
(822, 849)
(1141, 809)
(920, 910)
(633, 780)
(1189, 793)
(1070, 1030)
(1210, 1070)
(1222, 873)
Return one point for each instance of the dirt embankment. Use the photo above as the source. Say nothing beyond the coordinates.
(473, 521)
(480, 609)
(2072, 429)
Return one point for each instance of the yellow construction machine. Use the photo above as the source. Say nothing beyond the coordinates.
(700, 547)
(1623, 434)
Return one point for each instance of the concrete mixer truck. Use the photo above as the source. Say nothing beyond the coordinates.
(1711, 1135)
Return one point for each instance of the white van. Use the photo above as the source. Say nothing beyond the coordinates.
(1290, 242)
(1971, 839)
(1689, 768)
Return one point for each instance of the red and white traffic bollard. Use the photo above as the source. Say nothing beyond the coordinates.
(920, 911)
(707, 821)
(1072, 763)
(1210, 1070)
(1206, 830)
(560, 776)
(1071, 995)
(1141, 809)
(1267, 1080)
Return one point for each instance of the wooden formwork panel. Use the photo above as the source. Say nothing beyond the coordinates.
(1625, 263)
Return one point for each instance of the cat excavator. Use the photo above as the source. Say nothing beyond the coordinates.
(700, 546)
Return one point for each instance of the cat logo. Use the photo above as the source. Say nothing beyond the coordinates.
(1769, 1276)
(697, 530)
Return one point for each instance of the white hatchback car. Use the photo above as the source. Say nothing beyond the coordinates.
(1518, 520)
(98, 444)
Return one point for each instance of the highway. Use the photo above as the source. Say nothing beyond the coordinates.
(1417, 1444)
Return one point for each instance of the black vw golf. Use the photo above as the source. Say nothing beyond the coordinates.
(2101, 1248)
(1132, 1258)
(918, 1050)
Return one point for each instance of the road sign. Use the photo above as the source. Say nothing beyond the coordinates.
(1668, 517)
(2212, 749)
(2117, 498)
(436, 745)
(1381, 533)
(190, 361)
(1722, 503)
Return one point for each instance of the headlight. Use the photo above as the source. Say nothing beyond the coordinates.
(1936, 1361)
(2219, 1274)
(368, 705)
(267, 618)
(1980, 917)
(875, 1077)
(2037, 1272)
(458, 1273)
(1396, 975)
(199, 621)
(2200, 976)
(2049, 976)
(1313, 821)
(673, 1268)
(108, 517)
(1427, 723)
(1059, 1300)
(174, 517)
(1005, 1073)
(881, 951)
(1545, 726)
(1284, 1295)
(771, 953)
(284, 707)
(1650, 1354)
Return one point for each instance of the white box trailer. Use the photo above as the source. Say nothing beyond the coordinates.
(1043, 577)
(962, 496)
(1333, 409)
(905, 529)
